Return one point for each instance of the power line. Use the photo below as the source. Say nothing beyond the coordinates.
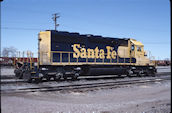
(154, 43)
(20, 28)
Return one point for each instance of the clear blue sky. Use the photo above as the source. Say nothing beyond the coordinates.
(147, 21)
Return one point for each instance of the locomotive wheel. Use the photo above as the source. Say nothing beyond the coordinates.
(38, 80)
(48, 78)
(58, 76)
(27, 76)
(41, 75)
(21, 75)
(64, 77)
(152, 74)
(119, 75)
(75, 76)
(147, 74)
(139, 74)
(129, 73)
(18, 74)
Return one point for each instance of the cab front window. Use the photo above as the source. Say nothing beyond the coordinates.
(139, 48)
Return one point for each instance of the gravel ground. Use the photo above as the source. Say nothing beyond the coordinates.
(148, 98)
(163, 68)
(7, 71)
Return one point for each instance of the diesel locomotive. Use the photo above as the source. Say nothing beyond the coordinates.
(64, 54)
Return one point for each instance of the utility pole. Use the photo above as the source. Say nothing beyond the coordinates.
(55, 16)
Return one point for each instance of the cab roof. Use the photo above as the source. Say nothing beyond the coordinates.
(136, 42)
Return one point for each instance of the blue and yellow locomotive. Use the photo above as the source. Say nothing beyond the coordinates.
(64, 54)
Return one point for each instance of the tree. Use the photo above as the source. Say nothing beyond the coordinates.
(9, 52)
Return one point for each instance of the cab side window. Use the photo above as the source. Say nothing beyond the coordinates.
(132, 48)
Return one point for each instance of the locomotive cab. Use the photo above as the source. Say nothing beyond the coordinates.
(137, 51)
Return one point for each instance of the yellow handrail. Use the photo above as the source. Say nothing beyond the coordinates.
(77, 59)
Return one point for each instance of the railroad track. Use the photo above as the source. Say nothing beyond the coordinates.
(86, 86)
(13, 80)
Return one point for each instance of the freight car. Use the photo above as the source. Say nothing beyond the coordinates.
(6, 61)
(64, 54)
(163, 62)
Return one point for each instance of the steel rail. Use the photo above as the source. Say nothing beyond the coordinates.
(86, 86)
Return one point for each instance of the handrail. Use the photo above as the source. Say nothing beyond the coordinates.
(25, 57)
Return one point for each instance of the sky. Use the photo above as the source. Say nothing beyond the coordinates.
(147, 21)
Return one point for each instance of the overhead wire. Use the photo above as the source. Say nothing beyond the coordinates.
(20, 28)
